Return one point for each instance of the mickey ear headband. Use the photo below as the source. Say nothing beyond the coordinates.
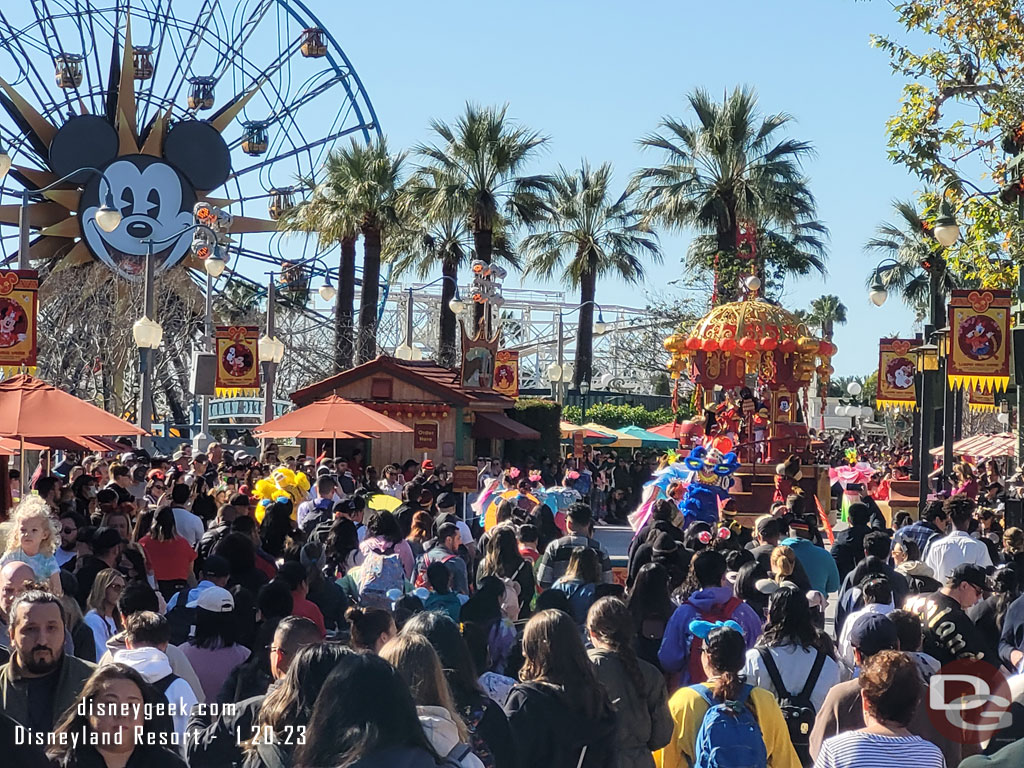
(702, 629)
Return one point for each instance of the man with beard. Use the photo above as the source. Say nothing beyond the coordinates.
(40, 681)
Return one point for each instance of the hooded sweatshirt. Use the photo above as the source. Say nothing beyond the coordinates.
(180, 665)
(674, 653)
(382, 546)
(443, 734)
(153, 665)
(915, 569)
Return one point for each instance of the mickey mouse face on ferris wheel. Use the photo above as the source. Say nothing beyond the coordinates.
(154, 195)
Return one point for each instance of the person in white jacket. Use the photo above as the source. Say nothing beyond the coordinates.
(146, 636)
(418, 664)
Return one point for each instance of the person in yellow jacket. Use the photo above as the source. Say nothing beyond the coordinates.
(723, 655)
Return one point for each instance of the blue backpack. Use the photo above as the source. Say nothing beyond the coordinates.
(729, 736)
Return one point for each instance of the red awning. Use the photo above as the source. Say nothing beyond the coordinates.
(983, 446)
(498, 426)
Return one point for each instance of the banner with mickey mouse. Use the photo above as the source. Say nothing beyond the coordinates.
(238, 370)
(896, 369)
(18, 302)
(979, 340)
(506, 373)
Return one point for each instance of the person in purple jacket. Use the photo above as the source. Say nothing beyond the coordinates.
(706, 597)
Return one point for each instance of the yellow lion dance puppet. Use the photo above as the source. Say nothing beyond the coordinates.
(282, 483)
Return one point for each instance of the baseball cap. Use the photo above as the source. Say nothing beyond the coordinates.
(972, 574)
(427, 465)
(214, 600)
(446, 500)
(872, 633)
(127, 458)
(425, 497)
(215, 565)
(799, 524)
(765, 524)
(106, 538)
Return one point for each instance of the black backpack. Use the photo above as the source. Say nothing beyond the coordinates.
(798, 710)
(181, 618)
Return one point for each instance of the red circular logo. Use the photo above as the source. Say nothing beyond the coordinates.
(969, 701)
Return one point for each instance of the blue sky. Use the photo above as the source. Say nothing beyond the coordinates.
(596, 76)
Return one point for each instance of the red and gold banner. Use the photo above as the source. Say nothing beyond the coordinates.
(506, 373)
(238, 369)
(979, 340)
(981, 401)
(896, 369)
(18, 307)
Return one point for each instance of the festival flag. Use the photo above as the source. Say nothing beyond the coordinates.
(979, 354)
(981, 401)
(896, 369)
(18, 309)
(238, 370)
(506, 373)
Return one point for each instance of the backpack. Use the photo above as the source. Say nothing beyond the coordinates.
(421, 572)
(721, 612)
(455, 756)
(380, 574)
(510, 600)
(798, 711)
(729, 736)
(181, 618)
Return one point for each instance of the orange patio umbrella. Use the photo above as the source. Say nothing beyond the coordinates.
(9, 447)
(331, 418)
(31, 409)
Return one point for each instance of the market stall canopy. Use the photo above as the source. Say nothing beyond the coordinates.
(622, 440)
(33, 410)
(498, 426)
(590, 436)
(649, 439)
(984, 446)
(333, 417)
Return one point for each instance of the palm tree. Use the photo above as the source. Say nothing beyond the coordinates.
(333, 223)
(825, 312)
(920, 272)
(445, 239)
(588, 235)
(364, 180)
(729, 167)
(476, 170)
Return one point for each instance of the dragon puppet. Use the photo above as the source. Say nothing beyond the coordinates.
(697, 484)
(283, 483)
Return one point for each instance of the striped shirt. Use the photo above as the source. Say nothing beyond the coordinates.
(860, 749)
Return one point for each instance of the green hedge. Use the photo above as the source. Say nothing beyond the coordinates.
(542, 415)
(616, 416)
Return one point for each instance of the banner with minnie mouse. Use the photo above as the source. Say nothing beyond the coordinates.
(896, 369)
(979, 340)
(238, 370)
(18, 303)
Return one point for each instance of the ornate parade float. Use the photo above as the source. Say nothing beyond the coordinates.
(755, 366)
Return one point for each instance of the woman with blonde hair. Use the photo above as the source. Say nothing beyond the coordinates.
(419, 665)
(32, 538)
(783, 563)
(102, 616)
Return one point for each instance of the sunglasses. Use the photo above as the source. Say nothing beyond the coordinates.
(69, 530)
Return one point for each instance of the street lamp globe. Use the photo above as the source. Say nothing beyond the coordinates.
(554, 372)
(854, 388)
(1003, 418)
(568, 372)
(600, 326)
(327, 292)
(841, 410)
(278, 350)
(108, 218)
(214, 265)
(946, 232)
(408, 352)
(867, 413)
(878, 295)
(752, 282)
(270, 349)
(147, 333)
(457, 306)
(584, 387)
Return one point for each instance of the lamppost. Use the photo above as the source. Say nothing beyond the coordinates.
(271, 352)
(853, 409)
(406, 350)
(148, 333)
(584, 391)
(108, 218)
(559, 372)
(214, 266)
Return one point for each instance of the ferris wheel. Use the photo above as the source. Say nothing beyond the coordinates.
(150, 108)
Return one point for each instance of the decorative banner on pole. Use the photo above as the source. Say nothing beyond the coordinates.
(506, 373)
(238, 370)
(981, 401)
(896, 369)
(18, 306)
(979, 349)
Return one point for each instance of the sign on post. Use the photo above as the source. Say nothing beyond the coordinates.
(464, 478)
(425, 436)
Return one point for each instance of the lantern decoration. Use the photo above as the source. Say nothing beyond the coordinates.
(281, 200)
(142, 62)
(68, 70)
(255, 141)
(314, 45)
(200, 92)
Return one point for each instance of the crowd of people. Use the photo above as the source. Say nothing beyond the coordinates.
(160, 612)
